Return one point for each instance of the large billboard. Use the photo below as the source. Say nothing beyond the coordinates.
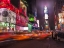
(4, 15)
(12, 17)
(7, 16)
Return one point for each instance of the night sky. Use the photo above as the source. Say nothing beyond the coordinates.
(15, 3)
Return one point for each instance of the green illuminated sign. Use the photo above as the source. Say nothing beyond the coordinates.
(12, 25)
(31, 19)
(3, 24)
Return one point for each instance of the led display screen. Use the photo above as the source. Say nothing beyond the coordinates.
(46, 16)
(12, 17)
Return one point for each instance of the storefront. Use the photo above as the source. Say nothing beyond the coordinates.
(12, 27)
(7, 18)
(61, 21)
(21, 18)
(4, 26)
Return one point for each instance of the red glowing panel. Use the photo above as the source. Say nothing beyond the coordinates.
(6, 1)
(20, 10)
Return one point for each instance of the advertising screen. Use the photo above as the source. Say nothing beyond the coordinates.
(46, 16)
(7, 15)
(12, 17)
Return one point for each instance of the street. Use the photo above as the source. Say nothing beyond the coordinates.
(33, 43)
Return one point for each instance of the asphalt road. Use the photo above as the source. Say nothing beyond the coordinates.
(46, 43)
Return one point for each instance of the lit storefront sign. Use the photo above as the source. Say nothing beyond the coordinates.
(6, 18)
(38, 23)
(46, 17)
(45, 10)
(61, 18)
(13, 17)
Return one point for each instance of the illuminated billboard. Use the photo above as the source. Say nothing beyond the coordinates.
(7, 15)
(46, 16)
(12, 17)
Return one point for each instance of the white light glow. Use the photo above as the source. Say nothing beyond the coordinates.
(55, 27)
(46, 16)
(45, 7)
(45, 11)
(7, 27)
(23, 28)
(60, 15)
(46, 21)
(3, 23)
(60, 20)
(38, 23)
